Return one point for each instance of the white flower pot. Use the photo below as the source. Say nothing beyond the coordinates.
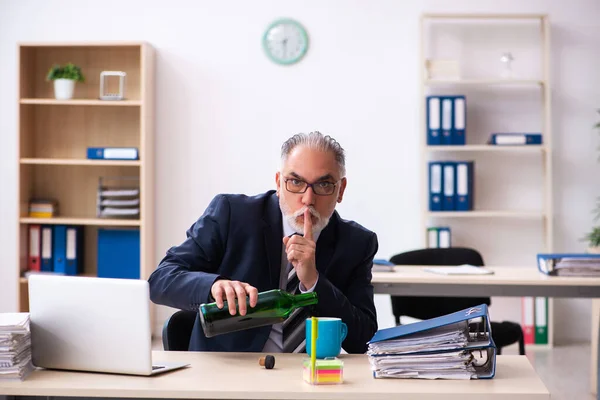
(63, 89)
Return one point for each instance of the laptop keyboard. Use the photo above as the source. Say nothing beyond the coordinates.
(155, 367)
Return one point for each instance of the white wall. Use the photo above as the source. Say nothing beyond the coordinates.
(223, 110)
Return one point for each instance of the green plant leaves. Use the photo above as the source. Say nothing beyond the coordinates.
(68, 71)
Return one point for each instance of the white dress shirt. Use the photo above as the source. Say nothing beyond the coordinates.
(275, 341)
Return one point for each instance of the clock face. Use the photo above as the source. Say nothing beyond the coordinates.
(285, 41)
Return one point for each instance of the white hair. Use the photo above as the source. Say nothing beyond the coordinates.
(316, 140)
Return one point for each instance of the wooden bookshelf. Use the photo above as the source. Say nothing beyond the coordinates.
(535, 85)
(54, 136)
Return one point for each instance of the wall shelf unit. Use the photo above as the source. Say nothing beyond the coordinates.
(54, 136)
(510, 179)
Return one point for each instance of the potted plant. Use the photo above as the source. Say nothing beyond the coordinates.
(593, 238)
(64, 78)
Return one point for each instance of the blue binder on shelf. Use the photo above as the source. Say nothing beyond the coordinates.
(459, 121)
(433, 109)
(119, 253)
(449, 337)
(464, 185)
(436, 181)
(47, 264)
(59, 247)
(446, 119)
(74, 250)
(112, 153)
(449, 182)
(515, 139)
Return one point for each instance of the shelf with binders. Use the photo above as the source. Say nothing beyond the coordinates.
(65, 146)
(73, 189)
(471, 120)
(484, 187)
(75, 254)
(500, 64)
(37, 58)
(63, 134)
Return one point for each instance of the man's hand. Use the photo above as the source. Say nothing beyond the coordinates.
(301, 253)
(232, 290)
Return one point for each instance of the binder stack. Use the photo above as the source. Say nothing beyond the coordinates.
(451, 185)
(453, 346)
(43, 208)
(55, 249)
(569, 264)
(15, 346)
(446, 120)
(118, 197)
(438, 237)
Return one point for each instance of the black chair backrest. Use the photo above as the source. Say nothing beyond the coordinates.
(431, 307)
(178, 330)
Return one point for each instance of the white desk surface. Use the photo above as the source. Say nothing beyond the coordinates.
(238, 376)
(525, 276)
(413, 280)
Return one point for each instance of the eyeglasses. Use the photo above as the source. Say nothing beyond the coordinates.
(322, 188)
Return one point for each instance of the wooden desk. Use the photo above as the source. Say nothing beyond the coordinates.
(238, 376)
(506, 281)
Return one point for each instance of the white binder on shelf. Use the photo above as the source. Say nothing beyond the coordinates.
(444, 237)
(447, 120)
(460, 121)
(449, 181)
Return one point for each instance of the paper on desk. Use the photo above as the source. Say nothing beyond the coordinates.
(446, 337)
(465, 269)
(452, 365)
(14, 322)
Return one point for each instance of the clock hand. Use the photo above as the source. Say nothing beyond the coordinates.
(284, 42)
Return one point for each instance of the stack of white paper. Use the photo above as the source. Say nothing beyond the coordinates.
(15, 346)
(396, 358)
(571, 266)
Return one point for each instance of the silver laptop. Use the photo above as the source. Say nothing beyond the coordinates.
(92, 324)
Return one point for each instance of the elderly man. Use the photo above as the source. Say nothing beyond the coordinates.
(290, 237)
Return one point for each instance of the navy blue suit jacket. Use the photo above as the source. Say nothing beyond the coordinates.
(240, 238)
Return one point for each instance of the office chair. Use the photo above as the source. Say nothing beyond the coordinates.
(503, 333)
(177, 330)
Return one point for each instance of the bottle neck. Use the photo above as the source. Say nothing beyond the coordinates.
(305, 299)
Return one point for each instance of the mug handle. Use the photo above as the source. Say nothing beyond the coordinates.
(344, 331)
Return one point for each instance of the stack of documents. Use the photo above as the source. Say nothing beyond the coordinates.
(42, 208)
(15, 346)
(437, 348)
(118, 197)
(570, 264)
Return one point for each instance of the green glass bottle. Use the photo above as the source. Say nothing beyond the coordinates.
(272, 307)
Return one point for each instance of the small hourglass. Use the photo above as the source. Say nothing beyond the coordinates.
(506, 59)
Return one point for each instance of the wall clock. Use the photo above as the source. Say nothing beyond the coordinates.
(285, 41)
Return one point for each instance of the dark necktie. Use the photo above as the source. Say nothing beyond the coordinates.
(293, 327)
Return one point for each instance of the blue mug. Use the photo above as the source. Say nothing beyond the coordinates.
(331, 334)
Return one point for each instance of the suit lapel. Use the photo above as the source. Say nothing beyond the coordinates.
(273, 236)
